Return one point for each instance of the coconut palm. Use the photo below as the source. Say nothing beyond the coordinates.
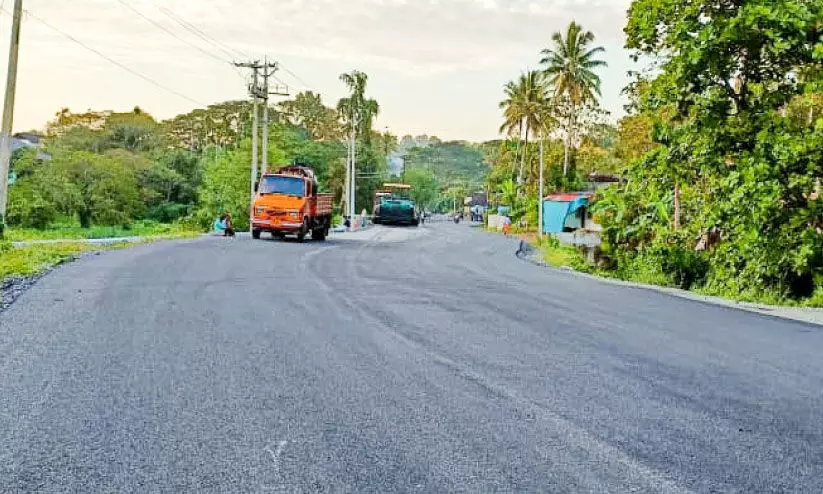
(521, 109)
(356, 111)
(357, 114)
(512, 108)
(569, 67)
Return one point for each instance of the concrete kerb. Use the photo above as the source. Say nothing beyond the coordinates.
(528, 253)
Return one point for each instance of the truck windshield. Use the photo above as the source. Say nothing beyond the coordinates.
(292, 186)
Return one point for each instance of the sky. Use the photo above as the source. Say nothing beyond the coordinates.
(436, 67)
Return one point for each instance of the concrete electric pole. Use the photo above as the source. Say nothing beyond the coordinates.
(257, 92)
(540, 193)
(8, 112)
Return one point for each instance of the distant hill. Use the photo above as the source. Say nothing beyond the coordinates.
(454, 161)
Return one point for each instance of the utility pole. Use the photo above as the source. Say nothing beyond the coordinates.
(540, 193)
(257, 92)
(353, 196)
(8, 112)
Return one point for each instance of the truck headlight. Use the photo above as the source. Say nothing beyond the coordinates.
(260, 211)
(293, 214)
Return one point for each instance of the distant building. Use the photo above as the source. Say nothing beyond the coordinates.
(596, 181)
(27, 140)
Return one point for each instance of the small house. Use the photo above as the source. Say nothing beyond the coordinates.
(568, 212)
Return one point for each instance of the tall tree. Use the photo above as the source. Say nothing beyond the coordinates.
(307, 110)
(525, 100)
(744, 165)
(570, 65)
(357, 112)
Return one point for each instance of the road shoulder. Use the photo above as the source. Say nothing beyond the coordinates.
(528, 253)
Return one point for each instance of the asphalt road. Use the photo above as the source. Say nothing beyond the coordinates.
(393, 360)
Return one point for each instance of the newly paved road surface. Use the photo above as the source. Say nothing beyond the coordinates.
(393, 360)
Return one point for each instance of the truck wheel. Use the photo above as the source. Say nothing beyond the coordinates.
(319, 234)
(255, 233)
(301, 235)
(278, 235)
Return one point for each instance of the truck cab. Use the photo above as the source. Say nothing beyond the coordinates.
(288, 202)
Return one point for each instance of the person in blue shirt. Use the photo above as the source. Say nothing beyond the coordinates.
(224, 225)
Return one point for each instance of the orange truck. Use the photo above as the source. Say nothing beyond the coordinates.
(287, 202)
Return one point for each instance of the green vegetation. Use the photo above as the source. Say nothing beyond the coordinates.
(721, 151)
(103, 174)
(551, 115)
(558, 255)
(449, 162)
(425, 187)
(31, 260)
(142, 228)
(723, 193)
(570, 70)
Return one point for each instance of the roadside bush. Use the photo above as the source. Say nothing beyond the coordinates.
(225, 188)
(169, 212)
(29, 205)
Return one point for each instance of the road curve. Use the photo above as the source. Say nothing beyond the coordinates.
(393, 360)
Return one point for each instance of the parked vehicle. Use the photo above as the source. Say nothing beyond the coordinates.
(288, 202)
(393, 206)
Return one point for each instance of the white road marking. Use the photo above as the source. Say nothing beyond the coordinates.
(275, 455)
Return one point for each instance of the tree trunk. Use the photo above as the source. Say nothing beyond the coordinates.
(85, 218)
(676, 206)
(523, 156)
(569, 127)
(519, 141)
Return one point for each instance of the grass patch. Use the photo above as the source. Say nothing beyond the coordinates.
(558, 255)
(561, 256)
(74, 232)
(34, 259)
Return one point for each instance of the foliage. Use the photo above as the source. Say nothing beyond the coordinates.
(110, 168)
(569, 65)
(357, 112)
(225, 187)
(58, 231)
(308, 112)
(449, 162)
(425, 188)
(730, 119)
(223, 124)
(30, 260)
(526, 108)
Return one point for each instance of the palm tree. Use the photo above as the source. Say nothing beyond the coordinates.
(357, 113)
(512, 114)
(570, 69)
(546, 122)
(521, 109)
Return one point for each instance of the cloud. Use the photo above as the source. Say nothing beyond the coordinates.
(433, 42)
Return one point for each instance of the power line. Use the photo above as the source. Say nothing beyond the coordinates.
(296, 77)
(170, 32)
(111, 60)
(231, 52)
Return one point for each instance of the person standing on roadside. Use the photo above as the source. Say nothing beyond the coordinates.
(507, 225)
(228, 231)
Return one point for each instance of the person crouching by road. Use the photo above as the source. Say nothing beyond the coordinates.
(225, 225)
